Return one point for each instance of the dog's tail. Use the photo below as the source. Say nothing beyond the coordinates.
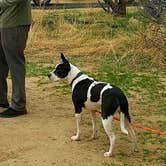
(124, 113)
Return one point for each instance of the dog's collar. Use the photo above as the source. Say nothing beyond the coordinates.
(78, 75)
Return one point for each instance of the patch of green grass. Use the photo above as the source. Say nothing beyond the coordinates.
(122, 154)
(38, 67)
(161, 124)
(162, 158)
(135, 74)
(149, 138)
(146, 152)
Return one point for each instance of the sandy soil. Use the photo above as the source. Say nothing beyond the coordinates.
(42, 137)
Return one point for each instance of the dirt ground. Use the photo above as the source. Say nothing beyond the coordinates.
(42, 137)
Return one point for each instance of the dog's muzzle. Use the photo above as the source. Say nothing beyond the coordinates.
(49, 75)
(53, 77)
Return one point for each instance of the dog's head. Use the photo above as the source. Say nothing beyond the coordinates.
(61, 70)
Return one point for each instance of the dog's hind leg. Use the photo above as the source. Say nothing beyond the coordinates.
(132, 135)
(78, 124)
(107, 124)
(122, 123)
(93, 116)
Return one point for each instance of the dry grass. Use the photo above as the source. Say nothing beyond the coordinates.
(73, 39)
(66, 38)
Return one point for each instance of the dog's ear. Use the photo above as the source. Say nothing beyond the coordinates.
(63, 58)
(65, 61)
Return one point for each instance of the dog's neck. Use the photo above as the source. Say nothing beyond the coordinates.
(73, 73)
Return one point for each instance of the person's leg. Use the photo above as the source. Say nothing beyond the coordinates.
(14, 43)
(3, 75)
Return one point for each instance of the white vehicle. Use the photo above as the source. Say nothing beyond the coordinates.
(41, 2)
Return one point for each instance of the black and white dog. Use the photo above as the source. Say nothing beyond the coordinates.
(95, 96)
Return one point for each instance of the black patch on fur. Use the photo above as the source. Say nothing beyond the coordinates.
(111, 100)
(95, 92)
(79, 95)
(109, 103)
(62, 70)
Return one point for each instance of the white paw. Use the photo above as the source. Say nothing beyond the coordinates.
(75, 138)
(107, 154)
(124, 131)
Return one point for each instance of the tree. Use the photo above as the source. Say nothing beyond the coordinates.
(41, 2)
(116, 7)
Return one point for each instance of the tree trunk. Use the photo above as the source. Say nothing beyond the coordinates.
(116, 7)
(121, 8)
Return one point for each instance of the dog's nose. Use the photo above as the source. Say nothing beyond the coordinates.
(49, 75)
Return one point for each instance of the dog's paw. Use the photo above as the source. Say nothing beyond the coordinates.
(134, 148)
(75, 138)
(107, 154)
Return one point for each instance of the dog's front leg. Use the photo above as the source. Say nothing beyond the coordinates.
(78, 124)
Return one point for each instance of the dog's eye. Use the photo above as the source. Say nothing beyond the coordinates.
(57, 73)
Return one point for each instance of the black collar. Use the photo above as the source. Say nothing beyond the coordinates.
(78, 75)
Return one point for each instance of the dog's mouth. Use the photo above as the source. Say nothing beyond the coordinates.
(53, 77)
(49, 75)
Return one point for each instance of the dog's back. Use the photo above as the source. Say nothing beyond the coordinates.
(89, 92)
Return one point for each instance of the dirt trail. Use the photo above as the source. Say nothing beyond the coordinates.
(42, 138)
